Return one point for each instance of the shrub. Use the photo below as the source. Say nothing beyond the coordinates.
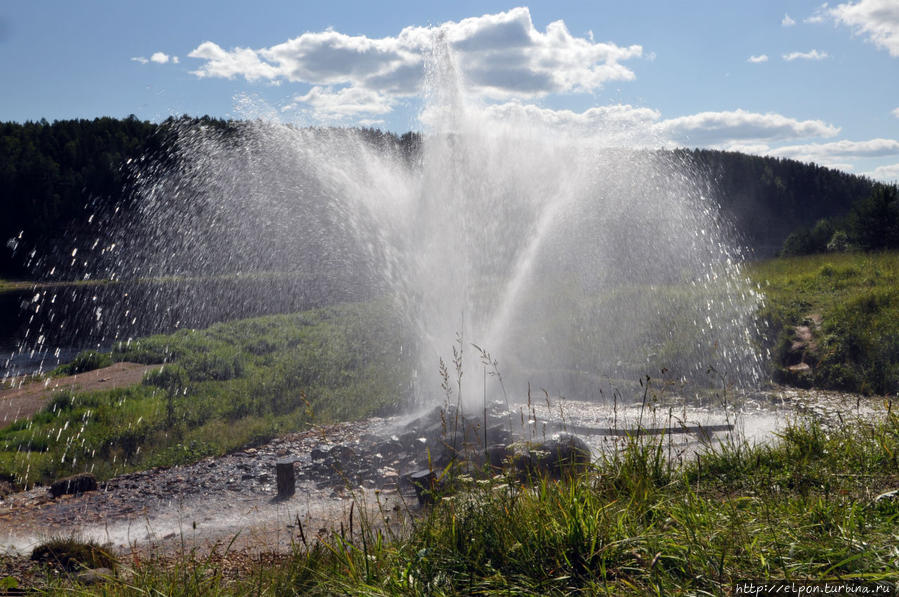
(218, 365)
(171, 378)
(71, 553)
(87, 360)
(839, 242)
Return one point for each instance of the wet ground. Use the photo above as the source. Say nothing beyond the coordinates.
(362, 465)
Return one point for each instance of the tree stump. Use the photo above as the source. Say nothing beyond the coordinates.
(286, 478)
(75, 484)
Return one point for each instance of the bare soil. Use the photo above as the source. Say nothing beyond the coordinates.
(28, 395)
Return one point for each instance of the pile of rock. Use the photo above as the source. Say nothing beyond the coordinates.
(487, 444)
(416, 455)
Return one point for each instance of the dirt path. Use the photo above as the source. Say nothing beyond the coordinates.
(22, 402)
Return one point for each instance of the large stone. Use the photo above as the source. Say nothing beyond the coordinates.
(565, 454)
(75, 484)
(95, 576)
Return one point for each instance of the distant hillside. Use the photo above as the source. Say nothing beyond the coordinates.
(769, 198)
(54, 176)
(51, 175)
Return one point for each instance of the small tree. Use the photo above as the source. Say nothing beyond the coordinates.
(839, 242)
(874, 221)
(173, 379)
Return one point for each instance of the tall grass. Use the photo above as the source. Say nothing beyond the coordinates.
(855, 296)
(805, 507)
(220, 389)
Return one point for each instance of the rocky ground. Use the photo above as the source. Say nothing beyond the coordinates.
(364, 466)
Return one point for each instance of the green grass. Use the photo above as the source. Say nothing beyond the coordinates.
(802, 508)
(73, 554)
(86, 360)
(856, 295)
(222, 388)
(260, 377)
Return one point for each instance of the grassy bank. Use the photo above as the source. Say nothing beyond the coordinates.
(808, 507)
(228, 386)
(850, 304)
(259, 377)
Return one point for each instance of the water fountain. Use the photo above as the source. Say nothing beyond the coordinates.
(570, 256)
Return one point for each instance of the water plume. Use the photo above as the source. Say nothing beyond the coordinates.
(571, 255)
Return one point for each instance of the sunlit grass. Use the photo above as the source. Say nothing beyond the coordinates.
(805, 507)
(220, 389)
(855, 296)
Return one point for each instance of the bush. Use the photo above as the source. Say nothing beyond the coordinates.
(219, 365)
(839, 242)
(87, 360)
(71, 554)
(171, 378)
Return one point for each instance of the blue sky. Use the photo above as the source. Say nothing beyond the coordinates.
(816, 82)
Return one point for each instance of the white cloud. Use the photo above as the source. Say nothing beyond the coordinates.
(736, 130)
(238, 62)
(787, 21)
(839, 150)
(896, 112)
(819, 16)
(158, 58)
(757, 59)
(503, 56)
(878, 20)
(888, 173)
(709, 128)
(810, 55)
(344, 103)
(627, 124)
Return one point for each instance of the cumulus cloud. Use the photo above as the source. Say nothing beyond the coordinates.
(752, 148)
(888, 173)
(810, 55)
(757, 59)
(239, 61)
(344, 103)
(839, 151)
(896, 112)
(737, 130)
(787, 21)
(503, 56)
(710, 128)
(158, 58)
(819, 16)
(619, 123)
(878, 20)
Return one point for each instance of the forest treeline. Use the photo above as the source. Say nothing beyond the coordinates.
(55, 176)
(770, 198)
(872, 224)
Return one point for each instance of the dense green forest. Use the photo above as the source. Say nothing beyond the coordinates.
(55, 176)
(872, 224)
(51, 174)
(769, 198)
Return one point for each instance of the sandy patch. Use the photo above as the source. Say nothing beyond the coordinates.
(27, 399)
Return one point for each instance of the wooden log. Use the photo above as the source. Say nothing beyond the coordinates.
(286, 478)
(424, 482)
(703, 430)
